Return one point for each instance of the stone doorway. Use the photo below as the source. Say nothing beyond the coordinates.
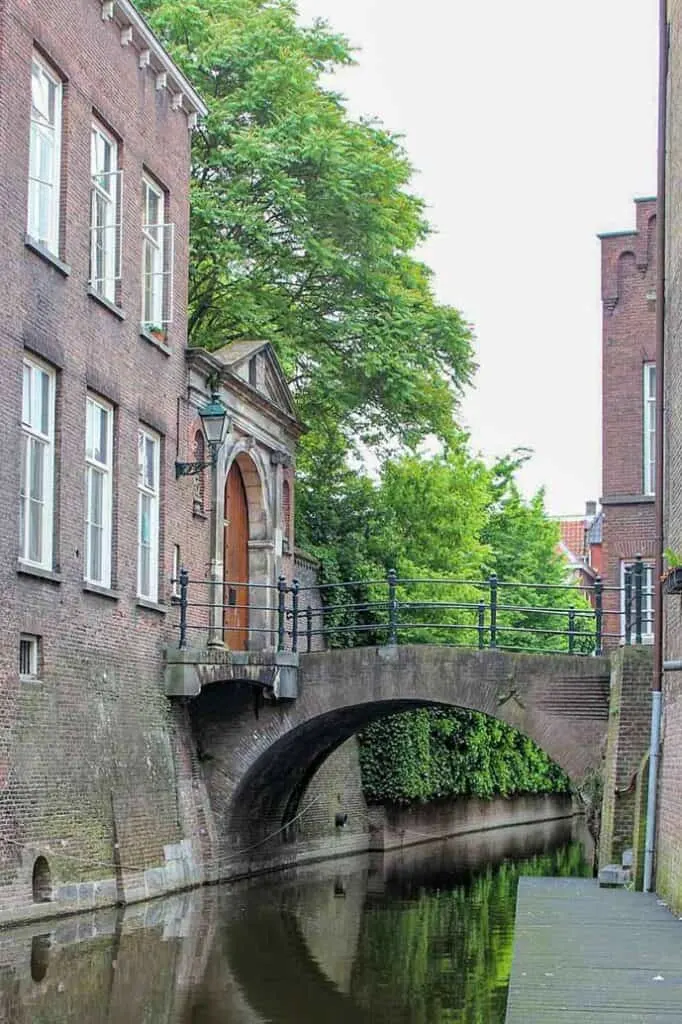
(236, 575)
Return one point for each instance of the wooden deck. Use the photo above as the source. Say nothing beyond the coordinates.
(585, 955)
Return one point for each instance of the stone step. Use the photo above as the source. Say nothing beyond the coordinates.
(613, 876)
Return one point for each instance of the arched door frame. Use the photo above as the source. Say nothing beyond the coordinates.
(261, 538)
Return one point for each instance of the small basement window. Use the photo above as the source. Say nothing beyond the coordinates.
(29, 656)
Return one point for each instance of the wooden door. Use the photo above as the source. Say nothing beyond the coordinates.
(236, 577)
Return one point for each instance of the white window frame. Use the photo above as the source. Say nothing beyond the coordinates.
(39, 386)
(148, 503)
(175, 577)
(102, 470)
(44, 183)
(647, 601)
(105, 213)
(158, 257)
(32, 645)
(649, 427)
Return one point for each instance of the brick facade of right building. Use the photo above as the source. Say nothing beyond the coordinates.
(628, 284)
(669, 831)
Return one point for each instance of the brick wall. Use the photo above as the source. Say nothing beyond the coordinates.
(394, 827)
(626, 745)
(336, 788)
(91, 753)
(628, 277)
(669, 838)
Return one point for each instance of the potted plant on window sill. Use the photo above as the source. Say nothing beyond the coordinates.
(157, 332)
(672, 578)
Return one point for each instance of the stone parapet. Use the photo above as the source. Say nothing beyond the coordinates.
(187, 671)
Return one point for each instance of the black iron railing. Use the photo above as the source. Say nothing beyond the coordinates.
(489, 613)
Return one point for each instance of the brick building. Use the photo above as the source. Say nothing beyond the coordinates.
(628, 288)
(101, 795)
(668, 864)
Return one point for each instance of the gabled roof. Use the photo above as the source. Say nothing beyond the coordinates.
(238, 354)
(573, 536)
(270, 390)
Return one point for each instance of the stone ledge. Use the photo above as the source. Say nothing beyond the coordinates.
(187, 671)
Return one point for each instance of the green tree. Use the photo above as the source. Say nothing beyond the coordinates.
(304, 225)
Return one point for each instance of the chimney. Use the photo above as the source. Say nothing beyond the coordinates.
(590, 508)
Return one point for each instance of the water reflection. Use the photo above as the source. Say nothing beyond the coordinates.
(423, 936)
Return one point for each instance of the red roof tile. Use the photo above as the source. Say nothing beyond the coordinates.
(573, 536)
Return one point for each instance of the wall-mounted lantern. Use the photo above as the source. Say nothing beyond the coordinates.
(215, 423)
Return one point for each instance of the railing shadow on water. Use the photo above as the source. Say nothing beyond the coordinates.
(491, 613)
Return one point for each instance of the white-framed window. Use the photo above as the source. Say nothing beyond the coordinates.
(44, 173)
(148, 460)
(157, 259)
(105, 213)
(647, 601)
(649, 427)
(99, 467)
(36, 507)
(175, 584)
(29, 656)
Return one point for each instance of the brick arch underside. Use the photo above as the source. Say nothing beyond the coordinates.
(261, 761)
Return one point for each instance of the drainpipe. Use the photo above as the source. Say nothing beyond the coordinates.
(656, 694)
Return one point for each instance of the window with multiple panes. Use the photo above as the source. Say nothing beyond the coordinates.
(649, 428)
(629, 597)
(99, 442)
(44, 155)
(157, 259)
(36, 508)
(149, 447)
(29, 656)
(105, 214)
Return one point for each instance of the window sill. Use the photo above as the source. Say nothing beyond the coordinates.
(162, 347)
(111, 306)
(628, 499)
(39, 249)
(151, 606)
(30, 679)
(26, 569)
(95, 588)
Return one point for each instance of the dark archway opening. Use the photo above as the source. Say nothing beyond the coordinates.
(264, 809)
(42, 881)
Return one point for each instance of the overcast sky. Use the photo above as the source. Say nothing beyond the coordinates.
(532, 126)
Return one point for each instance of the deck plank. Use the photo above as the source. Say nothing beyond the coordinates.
(585, 954)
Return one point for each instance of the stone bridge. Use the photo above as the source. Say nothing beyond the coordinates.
(259, 754)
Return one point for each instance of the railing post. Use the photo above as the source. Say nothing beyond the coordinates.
(309, 627)
(627, 603)
(493, 608)
(184, 586)
(639, 580)
(481, 624)
(571, 630)
(392, 607)
(295, 586)
(598, 615)
(281, 612)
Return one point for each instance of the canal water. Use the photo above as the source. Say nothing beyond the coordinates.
(423, 936)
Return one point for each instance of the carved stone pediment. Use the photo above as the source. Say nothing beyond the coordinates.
(256, 363)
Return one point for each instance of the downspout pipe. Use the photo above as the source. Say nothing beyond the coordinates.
(656, 687)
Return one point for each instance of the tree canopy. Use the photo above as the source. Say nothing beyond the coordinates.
(304, 226)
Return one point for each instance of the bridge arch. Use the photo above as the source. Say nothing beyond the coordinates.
(259, 759)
